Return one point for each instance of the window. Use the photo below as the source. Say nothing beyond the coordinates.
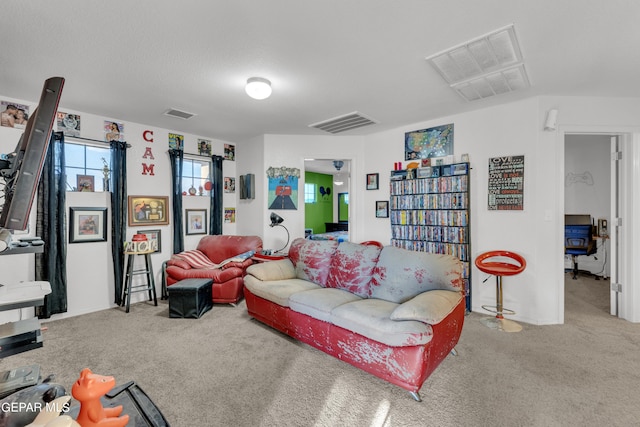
(83, 159)
(309, 193)
(196, 177)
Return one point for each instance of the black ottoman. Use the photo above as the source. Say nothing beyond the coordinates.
(190, 298)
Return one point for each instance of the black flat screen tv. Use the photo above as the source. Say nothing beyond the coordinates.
(21, 169)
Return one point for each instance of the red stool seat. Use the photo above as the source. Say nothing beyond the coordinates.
(498, 268)
(494, 263)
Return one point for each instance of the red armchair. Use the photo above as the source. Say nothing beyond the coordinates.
(228, 281)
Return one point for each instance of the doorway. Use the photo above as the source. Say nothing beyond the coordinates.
(328, 208)
(588, 191)
(588, 195)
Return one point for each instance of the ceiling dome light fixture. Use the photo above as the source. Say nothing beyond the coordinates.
(258, 88)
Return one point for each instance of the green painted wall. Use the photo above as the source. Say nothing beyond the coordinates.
(343, 207)
(316, 214)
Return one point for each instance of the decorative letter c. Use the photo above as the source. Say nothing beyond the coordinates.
(148, 135)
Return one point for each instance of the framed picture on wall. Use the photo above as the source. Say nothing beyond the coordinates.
(87, 225)
(148, 210)
(85, 183)
(382, 209)
(195, 221)
(372, 181)
(154, 237)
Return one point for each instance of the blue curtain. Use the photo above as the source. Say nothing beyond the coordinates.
(176, 157)
(50, 226)
(118, 213)
(215, 207)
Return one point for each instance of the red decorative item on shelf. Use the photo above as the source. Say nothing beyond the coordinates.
(208, 185)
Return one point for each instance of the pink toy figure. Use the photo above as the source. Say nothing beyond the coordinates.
(88, 390)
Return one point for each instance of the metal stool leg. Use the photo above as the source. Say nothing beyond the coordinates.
(123, 293)
(499, 322)
(150, 280)
(129, 281)
(164, 294)
(499, 298)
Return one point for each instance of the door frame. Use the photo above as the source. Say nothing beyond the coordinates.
(629, 242)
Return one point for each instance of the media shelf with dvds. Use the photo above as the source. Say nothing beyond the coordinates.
(429, 210)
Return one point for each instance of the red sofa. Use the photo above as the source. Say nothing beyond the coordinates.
(227, 281)
(391, 312)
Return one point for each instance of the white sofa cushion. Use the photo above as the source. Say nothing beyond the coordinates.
(401, 274)
(318, 303)
(370, 318)
(277, 291)
(428, 307)
(273, 270)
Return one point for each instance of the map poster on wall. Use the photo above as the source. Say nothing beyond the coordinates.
(426, 143)
(506, 183)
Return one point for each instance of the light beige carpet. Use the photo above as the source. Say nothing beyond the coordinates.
(226, 369)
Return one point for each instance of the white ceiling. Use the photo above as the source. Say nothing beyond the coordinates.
(133, 60)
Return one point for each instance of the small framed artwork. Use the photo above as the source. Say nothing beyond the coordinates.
(148, 210)
(372, 181)
(195, 221)
(85, 183)
(423, 172)
(87, 225)
(154, 237)
(204, 147)
(229, 184)
(382, 209)
(229, 152)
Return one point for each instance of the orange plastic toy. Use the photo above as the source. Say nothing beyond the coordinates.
(88, 390)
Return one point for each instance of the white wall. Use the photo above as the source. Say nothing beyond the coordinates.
(500, 131)
(290, 151)
(250, 213)
(537, 295)
(536, 232)
(90, 284)
(16, 268)
(605, 116)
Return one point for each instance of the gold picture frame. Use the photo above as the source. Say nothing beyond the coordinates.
(148, 210)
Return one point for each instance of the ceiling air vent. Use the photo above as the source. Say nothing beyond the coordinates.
(486, 66)
(179, 114)
(344, 123)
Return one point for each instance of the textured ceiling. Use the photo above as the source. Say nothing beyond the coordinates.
(133, 60)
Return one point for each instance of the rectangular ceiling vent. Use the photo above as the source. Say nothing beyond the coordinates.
(486, 66)
(179, 114)
(344, 123)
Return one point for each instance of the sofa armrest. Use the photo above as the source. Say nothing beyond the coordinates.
(178, 262)
(273, 270)
(428, 307)
(240, 264)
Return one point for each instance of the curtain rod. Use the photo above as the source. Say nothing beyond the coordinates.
(90, 139)
(201, 155)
